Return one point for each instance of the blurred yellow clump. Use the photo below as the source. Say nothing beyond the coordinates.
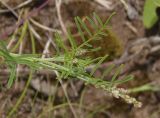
(109, 44)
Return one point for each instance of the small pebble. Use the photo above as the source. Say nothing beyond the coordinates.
(132, 13)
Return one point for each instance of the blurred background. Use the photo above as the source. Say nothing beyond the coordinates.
(133, 40)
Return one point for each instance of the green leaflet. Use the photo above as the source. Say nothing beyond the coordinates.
(149, 13)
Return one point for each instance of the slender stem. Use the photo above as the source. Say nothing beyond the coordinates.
(21, 97)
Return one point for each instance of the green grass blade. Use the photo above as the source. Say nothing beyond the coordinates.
(125, 79)
(98, 19)
(98, 64)
(103, 33)
(5, 53)
(71, 40)
(118, 71)
(93, 24)
(12, 75)
(81, 32)
(108, 70)
(24, 30)
(94, 49)
(32, 42)
(84, 26)
(79, 29)
(108, 19)
(59, 42)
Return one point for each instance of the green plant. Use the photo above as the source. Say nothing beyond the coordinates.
(149, 13)
(70, 62)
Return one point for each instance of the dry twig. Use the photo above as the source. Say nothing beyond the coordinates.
(58, 7)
